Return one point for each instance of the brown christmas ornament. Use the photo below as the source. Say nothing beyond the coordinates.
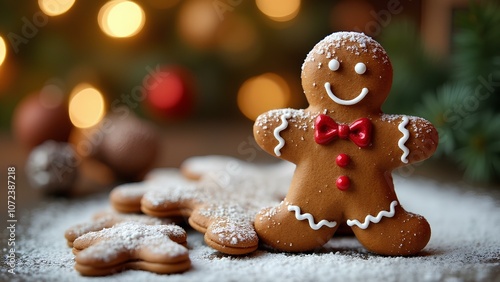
(39, 118)
(125, 143)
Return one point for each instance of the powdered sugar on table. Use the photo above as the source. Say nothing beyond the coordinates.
(465, 246)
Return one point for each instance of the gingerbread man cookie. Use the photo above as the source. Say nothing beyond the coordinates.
(344, 148)
(221, 203)
(107, 219)
(131, 245)
(126, 198)
(227, 224)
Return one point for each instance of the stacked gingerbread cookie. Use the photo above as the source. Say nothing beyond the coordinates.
(219, 196)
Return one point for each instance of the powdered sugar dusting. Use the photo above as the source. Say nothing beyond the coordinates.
(157, 179)
(464, 245)
(130, 191)
(228, 195)
(109, 218)
(300, 118)
(237, 226)
(418, 125)
(106, 245)
(356, 43)
(174, 194)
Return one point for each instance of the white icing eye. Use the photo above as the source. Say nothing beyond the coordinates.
(334, 65)
(360, 68)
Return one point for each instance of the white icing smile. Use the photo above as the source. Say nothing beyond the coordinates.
(339, 101)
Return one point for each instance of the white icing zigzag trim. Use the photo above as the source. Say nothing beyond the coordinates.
(310, 218)
(402, 140)
(277, 131)
(370, 218)
(339, 101)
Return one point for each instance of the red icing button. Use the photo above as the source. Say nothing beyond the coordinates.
(342, 160)
(343, 182)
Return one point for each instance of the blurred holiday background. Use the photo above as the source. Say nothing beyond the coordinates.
(71, 69)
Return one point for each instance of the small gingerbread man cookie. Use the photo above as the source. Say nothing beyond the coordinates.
(126, 198)
(107, 219)
(132, 245)
(344, 148)
(210, 209)
(221, 199)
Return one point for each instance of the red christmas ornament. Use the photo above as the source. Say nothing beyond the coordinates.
(170, 92)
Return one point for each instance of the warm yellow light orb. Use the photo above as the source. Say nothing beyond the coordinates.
(55, 7)
(86, 106)
(120, 18)
(279, 10)
(263, 93)
(3, 50)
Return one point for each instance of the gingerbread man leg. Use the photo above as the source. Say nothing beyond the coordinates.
(307, 233)
(392, 232)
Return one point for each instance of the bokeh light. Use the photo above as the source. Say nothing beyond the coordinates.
(238, 36)
(168, 97)
(120, 18)
(51, 96)
(351, 15)
(86, 106)
(279, 10)
(163, 4)
(263, 93)
(198, 23)
(55, 7)
(170, 92)
(3, 50)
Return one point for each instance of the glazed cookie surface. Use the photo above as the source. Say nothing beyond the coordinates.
(344, 148)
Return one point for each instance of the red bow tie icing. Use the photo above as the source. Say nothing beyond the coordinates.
(326, 129)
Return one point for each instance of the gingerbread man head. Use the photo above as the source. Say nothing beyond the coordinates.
(344, 148)
(347, 72)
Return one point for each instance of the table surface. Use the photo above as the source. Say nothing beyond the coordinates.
(235, 139)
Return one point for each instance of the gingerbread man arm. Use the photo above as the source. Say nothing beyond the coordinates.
(418, 138)
(275, 131)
